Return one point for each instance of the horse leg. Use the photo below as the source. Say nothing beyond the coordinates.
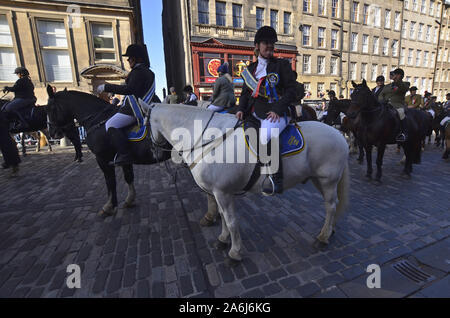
(211, 215)
(47, 139)
(38, 144)
(368, 149)
(380, 155)
(128, 174)
(361, 150)
(225, 202)
(110, 208)
(22, 141)
(329, 192)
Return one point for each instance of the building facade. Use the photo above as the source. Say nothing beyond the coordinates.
(67, 46)
(442, 69)
(330, 42)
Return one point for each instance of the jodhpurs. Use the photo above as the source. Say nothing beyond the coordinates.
(270, 130)
(215, 108)
(120, 120)
(17, 104)
(401, 113)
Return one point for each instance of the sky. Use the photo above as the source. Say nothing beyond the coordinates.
(152, 21)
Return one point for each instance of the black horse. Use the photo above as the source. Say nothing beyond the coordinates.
(379, 126)
(92, 113)
(348, 126)
(36, 118)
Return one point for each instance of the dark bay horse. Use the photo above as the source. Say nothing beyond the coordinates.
(37, 121)
(92, 113)
(348, 126)
(379, 126)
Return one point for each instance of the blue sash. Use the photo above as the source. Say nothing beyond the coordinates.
(139, 132)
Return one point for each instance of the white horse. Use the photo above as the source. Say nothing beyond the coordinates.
(324, 161)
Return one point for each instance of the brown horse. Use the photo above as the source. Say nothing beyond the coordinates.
(379, 126)
(447, 142)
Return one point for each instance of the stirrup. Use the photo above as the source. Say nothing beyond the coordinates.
(402, 138)
(267, 194)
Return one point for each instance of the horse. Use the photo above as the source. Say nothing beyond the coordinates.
(92, 113)
(37, 122)
(216, 171)
(447, 142)
(439, 114)
(348, 126)
(379, 126)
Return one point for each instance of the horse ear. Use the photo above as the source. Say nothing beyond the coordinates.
(354, 84)
(364, 82)
(50, 92)
(65, 89)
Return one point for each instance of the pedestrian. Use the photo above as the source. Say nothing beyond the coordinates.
(172, 98)
(8, 148)
(414, 100)
(191, 98)
(223, 93)
(380, 85)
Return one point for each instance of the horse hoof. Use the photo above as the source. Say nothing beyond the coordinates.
(104, 214)
(320, 245)
(232, 262)
(220, 246)
(204, 222)
(127, 205)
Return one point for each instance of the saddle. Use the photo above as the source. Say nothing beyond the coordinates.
(21, 120)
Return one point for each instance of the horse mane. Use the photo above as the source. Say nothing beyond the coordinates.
(88, 98)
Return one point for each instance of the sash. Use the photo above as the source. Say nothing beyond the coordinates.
(253, 84)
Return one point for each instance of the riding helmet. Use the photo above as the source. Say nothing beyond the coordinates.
(399, 71)
(266, 33)
(380, 78)
(413, 89)
(21, 70)
(332, 93)
(136, 51)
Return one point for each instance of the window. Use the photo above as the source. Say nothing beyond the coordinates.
(259, 18)
(103, 42)
(355, 11)
(55, 51)
(428, 34)
(354, 43)
(322, 7)
(423, 6)
(416, 81)
(307, 89)
(306, 64)
(385, 47)
(394, 48)
(206, 74)
(410, 57)
(418, 55)
(274, 19)
(334, 39)
(377, 16)
(238, 63)
(333, 87)
(321, 37)
(420, 32)
(375, 44)
(425, 58)
(333, 65)
(439, 57)
(433, 58)
(438, 10)
(237, 15)
(363, 71)
(221, 18)
(307, 6)
(387, 19)
(306, 35)
(321, 65)
(435, 37)
(335, 8)
(384, 71)
(412, 30)
(397, 20)
(406, 4)
(404, 28)
(353, 71)
(423, 85)
(402, 56)
(320, 90)
(431, 7)
(415, 5)
(287, 23)
(203, 11)
(374, 72)
(365, 43)
(7, 55)
(366, 9)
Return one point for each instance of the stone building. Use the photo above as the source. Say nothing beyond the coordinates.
(330, 42)
(442, 69)
(65, 45)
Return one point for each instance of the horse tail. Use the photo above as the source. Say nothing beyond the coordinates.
(343, 192)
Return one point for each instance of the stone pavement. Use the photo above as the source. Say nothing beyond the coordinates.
(48, 221)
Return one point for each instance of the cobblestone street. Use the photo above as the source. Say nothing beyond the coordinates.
(48, 220)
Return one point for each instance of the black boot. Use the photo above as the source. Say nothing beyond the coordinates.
(277, 178)
(120, 144)
(403, 137)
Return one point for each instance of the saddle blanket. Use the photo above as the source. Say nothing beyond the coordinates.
(445, 121)
(292, 141)
(138, 132)
(433, 114)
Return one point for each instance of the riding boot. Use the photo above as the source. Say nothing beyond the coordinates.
(403, 136)
(277, 178)
(120, 144)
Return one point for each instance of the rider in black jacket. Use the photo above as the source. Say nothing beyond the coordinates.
(139, 83)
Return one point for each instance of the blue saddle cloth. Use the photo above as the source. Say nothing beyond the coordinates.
(138, 132)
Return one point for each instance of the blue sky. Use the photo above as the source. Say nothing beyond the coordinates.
(152, 20)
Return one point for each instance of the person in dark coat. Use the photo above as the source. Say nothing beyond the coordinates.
(191, 98)
(24, 97)
(139, 84)
(8, 147)
(380, 85)
(223, 93)
(269, 90)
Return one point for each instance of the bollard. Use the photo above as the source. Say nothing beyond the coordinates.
(63, 142)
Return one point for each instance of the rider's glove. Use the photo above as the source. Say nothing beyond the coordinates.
(101, 89)
(5, 89)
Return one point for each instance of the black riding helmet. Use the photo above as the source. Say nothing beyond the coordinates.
(399, 71)
(332, 93)
(380, 79)
(266, 33)
(136, 51)
(22, 71)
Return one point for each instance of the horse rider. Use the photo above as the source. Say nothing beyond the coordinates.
(270, 87)
(380, 85)
(446, 109)
(191, 98)
(24, 96)
(223, 94)
(394, 94)
(414, 100)
(8, 147)
(140, 83)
